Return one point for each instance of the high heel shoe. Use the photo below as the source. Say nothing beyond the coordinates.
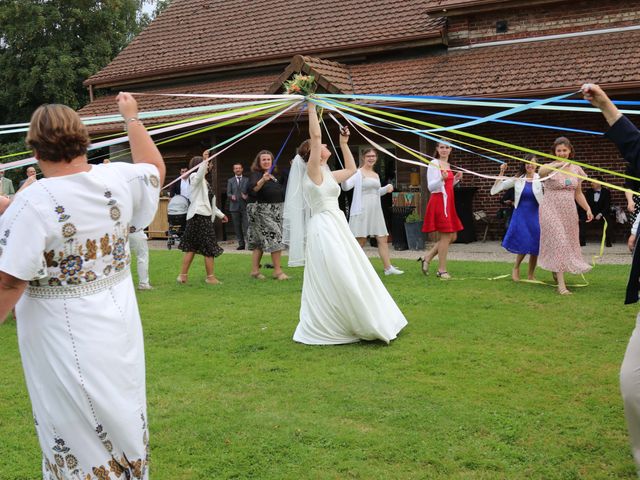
(182, 278)
(443, 275)
(424, 265)
(212, 280)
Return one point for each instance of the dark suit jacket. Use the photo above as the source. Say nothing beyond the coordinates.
(626, 136)
(603, 205)
(233, 188)
(175, 189)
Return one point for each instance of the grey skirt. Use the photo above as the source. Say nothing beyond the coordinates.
(265, 227)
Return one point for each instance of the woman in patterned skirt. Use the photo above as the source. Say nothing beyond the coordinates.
(265, 216)
(559, 233)
(441, 215)
(200, 235)
(64, 264)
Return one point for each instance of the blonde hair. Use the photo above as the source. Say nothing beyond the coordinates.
(57, 134)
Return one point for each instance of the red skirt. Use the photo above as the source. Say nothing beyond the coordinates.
(435, 219)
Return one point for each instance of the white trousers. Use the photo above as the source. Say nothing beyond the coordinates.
(630, 388)
(138, 245)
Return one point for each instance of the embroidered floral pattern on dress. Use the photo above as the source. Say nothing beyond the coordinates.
(119, 249)
(120, 468)
(68, 230)
(71, 265)
(115, 213)
(76, 263)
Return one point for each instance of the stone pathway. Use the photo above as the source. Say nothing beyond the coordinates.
(489, 251)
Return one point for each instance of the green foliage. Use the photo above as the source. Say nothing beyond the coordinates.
(413, 217)
(300, 84)
(48, 48)
(490, 380)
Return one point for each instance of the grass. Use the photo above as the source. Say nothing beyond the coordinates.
(489, 380)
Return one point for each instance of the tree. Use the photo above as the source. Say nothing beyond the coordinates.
(49, 47)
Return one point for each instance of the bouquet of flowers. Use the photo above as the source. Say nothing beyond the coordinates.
(300, 85)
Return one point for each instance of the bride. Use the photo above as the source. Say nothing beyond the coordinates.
(343, 299)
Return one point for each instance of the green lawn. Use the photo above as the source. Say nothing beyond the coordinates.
(489, 380)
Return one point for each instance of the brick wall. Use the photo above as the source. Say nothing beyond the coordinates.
(590, 149)
(543, 20)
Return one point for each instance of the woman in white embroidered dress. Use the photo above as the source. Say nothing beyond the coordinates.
(343, 299)
(365, 215)
(65, 266)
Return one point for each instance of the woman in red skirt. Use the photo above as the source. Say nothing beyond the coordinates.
(441, 215)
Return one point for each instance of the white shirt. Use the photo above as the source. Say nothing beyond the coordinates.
(185, 188)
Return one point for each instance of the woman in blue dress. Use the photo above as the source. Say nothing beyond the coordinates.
(523, 234)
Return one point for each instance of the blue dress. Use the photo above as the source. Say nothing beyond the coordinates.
(523, 235)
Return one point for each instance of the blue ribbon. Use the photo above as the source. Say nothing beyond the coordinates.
(459, 115)
(295, 124)
(336, 107)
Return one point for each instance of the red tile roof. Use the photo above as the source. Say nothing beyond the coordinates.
(234, 85)
(332, 77)
(530, 68)
(447, 7)
(517, 69)
(191, 36)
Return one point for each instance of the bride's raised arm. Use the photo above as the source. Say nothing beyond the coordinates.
(314, 165)
(350, 167)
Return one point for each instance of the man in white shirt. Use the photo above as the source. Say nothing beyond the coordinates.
(182, 187)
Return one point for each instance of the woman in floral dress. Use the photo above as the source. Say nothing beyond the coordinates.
(559, 237)
(64, 264)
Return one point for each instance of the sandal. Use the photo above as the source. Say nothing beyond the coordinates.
(565, 291)
(424, 265)
(280, 276)
(443, 275)
(258, 276)
(212, 280)
(182, 278)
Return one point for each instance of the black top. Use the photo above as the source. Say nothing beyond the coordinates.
(626, 136)
(271, 191)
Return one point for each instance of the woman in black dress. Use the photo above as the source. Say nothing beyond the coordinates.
(199, 235)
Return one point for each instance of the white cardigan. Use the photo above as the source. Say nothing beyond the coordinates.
(518, 186)
(435, 183)
(355, 181)
(200, 195)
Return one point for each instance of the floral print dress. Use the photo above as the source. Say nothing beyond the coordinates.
(79, 329)
(559, 239)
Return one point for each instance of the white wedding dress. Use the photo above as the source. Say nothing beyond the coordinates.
(343, 299)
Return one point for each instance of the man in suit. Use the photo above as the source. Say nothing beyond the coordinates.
(237, 193)
(599, 200)
(31, 172)
(182, 187)
(6, 185)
